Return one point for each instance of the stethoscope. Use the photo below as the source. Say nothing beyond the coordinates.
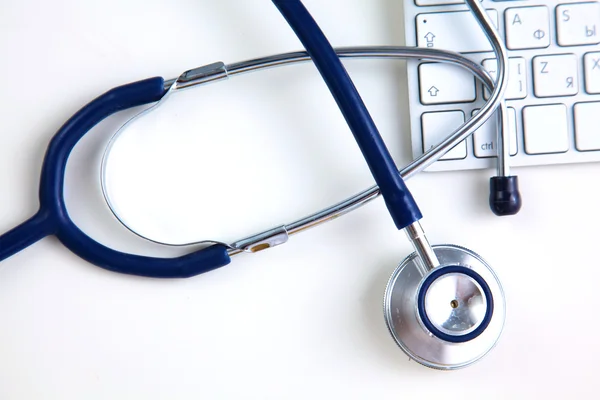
(443, 305)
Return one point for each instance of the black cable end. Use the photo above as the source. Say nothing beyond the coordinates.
(505, 198)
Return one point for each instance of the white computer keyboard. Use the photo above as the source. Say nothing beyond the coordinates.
(554, 80)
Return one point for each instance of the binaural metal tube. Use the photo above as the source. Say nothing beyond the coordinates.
(502, 139)
(376, 52)
(220, 71)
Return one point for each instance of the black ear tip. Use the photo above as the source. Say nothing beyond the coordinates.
(505, 198)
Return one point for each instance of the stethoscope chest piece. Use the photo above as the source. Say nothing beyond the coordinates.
(448, 317)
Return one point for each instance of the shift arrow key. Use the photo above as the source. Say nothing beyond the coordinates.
(445, 83)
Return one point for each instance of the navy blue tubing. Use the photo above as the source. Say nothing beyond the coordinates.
(53, 218)
(398, 199)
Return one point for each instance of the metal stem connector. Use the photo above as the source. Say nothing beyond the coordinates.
(262, 241)
(417, 237)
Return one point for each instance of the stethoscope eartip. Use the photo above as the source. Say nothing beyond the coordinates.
(505, 198)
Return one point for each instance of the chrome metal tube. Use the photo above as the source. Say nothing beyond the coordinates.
(502, 166)
(380, 52)
(417, 238)
(492, 104)
(219, 71)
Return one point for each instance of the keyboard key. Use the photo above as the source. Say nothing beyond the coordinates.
(592, 72)
(555, 75)
(587, 135)
(517, 77)
(437, 126)
(578, 23)
(546, 129)
(437, 2)
(444, 83)
(457, 31)
(527, 27)
(485, 138)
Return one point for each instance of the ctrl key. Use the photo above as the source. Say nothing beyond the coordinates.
(485, 138)
(437, 126)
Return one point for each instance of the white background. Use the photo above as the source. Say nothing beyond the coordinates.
(303, 320)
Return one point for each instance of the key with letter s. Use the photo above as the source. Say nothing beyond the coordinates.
(578, 24)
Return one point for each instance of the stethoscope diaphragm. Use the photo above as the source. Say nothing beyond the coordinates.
(448, 317)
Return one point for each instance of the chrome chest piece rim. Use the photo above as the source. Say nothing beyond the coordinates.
(449, 317)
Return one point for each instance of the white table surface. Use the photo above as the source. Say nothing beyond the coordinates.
(299, 321)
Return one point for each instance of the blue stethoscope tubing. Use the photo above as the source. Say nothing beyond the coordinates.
(398, 199)
(53, 218)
